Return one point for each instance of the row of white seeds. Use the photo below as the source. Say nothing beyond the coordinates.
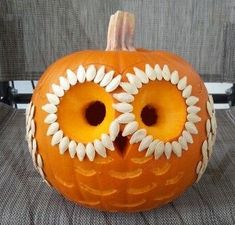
(105, 80)
(32, 142)
(207, 146)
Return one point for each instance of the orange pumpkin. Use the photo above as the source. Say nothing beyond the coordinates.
(121, 129)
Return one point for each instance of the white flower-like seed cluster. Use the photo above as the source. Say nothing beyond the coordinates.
(147, 142)
(32, 142)
(106, 80)
(207, 146)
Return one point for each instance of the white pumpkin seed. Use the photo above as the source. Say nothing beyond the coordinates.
(159, 150)
(210, 145)
(138, 136)
(80, 151)
(31, 115)
(28, 126)
(53, 128)
(129, 88)
(150, 72)
(192, 100)
(100, 74)
(208, 127)
(113, 84)
(130, 128)
(71, 77)
(53, 99)
(146, 141)
(151, 148)
(32, 125)
(166, 73)
(193, 109)
(107, 142)
(39, 161)
(107, 78)
(72, 148)
(187, 91)
(49, 108)
(90, 151)
(193, 118)
(50, 118)
(204, 151)
(168, 150)
(133, 79)
(64, 83)
(209, 109)
(114, 129)
(63, 145)
(58, 90)
(212, 103)
(30, 145)
(34, 146)
(90, 73)
(213, 124)
(124, 97)
(123, 107)
(187, 136)
(176, 147)
(99, 148)
(183, 143)
(126, 118)
(182, 83)
(175, 77)
(81, 74)
(158, 71)
(211, 100)
(199, 166)
(56, 138)
(141, 75)
(191, 128)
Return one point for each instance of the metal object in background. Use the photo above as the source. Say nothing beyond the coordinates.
(5, 92)
(231, 95)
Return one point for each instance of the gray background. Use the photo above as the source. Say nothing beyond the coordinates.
(34, 33)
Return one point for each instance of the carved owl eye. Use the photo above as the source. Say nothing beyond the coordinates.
(164, 109)
(80, 113)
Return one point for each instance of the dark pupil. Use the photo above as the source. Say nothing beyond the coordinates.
(149, 115)
(95, 113)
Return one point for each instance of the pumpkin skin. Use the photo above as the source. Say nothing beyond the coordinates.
(125, 180)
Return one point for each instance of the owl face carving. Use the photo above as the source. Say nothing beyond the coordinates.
(129, 135)
(148, 117)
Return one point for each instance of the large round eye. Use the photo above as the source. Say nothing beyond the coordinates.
(160, 109)
(164, 111)
(80, 113)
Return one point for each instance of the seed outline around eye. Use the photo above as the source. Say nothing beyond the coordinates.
(181, 83)
(109, 82)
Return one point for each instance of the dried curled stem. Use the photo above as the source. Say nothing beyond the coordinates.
(121, 32)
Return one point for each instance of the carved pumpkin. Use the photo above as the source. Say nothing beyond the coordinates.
(121, 129)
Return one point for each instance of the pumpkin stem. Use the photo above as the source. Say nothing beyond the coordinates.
(121, 32)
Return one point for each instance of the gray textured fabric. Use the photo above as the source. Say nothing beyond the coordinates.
(35, 33)
(25, 199)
